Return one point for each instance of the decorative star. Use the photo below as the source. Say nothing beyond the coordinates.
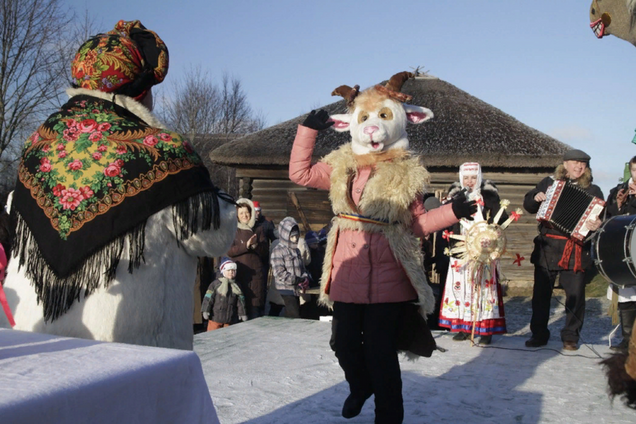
(519, 259)
(446, 235)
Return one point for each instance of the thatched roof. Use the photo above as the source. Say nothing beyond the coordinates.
(464, 129)
(206, 143)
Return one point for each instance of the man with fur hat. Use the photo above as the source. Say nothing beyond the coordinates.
(224, 303)
(556, 254)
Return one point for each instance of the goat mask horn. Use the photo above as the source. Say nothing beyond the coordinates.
(393, 87)
(347, 93)
(397, 81)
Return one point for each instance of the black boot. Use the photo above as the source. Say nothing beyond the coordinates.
(485, 340)
(627, 313)
(461, 336)
(353, 405)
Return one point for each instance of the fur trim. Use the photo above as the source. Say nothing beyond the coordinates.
(250, 204)
(374, 158)
(619, 382)
(128, 103)
(584, 181)
(407, 178)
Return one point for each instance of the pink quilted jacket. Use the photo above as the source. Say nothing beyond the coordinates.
(364, 269)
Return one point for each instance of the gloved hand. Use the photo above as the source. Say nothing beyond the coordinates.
(318, 121)
(304, 285)
(463, 208)
(206, 315)
(243, 318)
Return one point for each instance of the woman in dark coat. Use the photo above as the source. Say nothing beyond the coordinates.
(250, 252)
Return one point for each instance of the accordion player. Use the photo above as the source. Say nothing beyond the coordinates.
(568, 207)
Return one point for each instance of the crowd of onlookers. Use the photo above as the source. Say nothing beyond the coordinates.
(268, 270)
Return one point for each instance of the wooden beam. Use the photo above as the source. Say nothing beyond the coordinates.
(301, 213)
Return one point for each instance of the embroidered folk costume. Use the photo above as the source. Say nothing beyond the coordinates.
(472, 299)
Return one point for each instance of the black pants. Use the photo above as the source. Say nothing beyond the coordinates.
(292, 306)
(574, 286)
(364, 338)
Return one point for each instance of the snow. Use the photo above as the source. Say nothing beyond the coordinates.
(277, 370)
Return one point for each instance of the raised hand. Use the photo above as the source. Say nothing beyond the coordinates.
(318, 120)
(251, 242)
(463, 208)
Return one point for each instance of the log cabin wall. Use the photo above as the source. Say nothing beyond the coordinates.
(271, 187)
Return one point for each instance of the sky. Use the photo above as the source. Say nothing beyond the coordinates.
(538, 61)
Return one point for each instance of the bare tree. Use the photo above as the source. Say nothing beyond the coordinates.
(30, 71)
(193, 106)
(196, 106)
(236, 113)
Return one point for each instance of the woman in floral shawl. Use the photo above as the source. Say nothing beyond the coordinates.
(111, 209)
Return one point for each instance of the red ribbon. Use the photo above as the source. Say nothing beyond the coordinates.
(5, 306)
(567, 253)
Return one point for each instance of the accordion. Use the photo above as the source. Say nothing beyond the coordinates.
(567, 208)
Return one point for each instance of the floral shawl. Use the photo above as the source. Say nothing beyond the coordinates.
(88, 179)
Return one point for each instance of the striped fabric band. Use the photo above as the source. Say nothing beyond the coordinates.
(361, 218)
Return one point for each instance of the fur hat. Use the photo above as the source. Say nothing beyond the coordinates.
(227, 264)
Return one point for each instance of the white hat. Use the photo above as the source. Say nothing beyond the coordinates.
(470, 168)
(227, 265)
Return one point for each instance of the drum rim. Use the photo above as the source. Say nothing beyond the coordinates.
(627, 244)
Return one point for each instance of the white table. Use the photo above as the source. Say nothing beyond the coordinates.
(51, 379)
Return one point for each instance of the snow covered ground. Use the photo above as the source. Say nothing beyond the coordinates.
(277, 370)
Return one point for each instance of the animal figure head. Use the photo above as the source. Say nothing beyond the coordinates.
(378, 116)
(614, 17)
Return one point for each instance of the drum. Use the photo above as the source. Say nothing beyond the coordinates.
(614, 250)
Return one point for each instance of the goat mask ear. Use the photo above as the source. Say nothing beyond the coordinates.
(341, 122)
(417, 114)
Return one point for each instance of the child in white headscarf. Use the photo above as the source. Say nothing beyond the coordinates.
(467, 302)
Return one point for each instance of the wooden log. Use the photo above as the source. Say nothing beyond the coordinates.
(296, 203)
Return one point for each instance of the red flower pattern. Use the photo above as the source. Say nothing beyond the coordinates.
(45, 165)
(151, 140)
(112, 170)
(75, 165)
(70, 198)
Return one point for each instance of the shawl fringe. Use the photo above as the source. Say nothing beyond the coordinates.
(202, 208)
(57, 294)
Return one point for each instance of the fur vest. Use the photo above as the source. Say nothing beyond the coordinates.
(396, 181)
